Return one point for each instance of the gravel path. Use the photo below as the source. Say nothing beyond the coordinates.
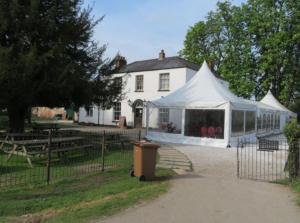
(213, 194)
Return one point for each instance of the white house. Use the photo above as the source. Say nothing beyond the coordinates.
(143, 81)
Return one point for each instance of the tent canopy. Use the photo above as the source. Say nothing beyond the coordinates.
(204, 90)
(269, 99)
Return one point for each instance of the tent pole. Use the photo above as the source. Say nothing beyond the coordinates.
(229, 116)
(147, 118)
(182, 122)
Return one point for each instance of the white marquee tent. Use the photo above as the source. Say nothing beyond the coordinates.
(270, 100)
(204, 112)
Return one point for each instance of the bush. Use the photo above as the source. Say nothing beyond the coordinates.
(292, 132)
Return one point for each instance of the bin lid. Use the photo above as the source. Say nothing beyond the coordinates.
(145, 144)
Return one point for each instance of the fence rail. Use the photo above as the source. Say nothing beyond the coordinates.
(263, 159)
(54, 155)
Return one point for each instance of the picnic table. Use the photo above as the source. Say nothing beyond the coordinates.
(29, 148)
(18, 136)
(40, 127)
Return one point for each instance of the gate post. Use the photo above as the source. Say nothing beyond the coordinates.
(102, 152)
(49, 156)
(238, 159)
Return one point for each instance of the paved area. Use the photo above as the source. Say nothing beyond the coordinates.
(213, 194)
(172, 158)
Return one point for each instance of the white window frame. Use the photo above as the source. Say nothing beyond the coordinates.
(164, 82)
(164, 115)
(139, 83)
(117, 111)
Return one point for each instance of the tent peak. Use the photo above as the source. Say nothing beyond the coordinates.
(205, 65)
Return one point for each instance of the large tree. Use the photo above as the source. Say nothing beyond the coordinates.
(47, 56)
(255, 46)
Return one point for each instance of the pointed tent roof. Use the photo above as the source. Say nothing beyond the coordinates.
(202, 91)
(269, 99)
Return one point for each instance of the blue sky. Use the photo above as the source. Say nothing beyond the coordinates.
(139, 29)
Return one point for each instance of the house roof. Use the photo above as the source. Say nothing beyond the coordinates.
(156, 64)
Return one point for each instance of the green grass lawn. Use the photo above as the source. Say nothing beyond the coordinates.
(80, 200)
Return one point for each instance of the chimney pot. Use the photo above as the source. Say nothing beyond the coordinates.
(120, 62)
(162, 55)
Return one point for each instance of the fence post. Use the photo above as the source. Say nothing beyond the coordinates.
(299, 159)
(238, 158)
(49, 156)
(103, 148)
(140, 133)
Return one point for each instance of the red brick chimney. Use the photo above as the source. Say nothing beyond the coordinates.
(211, 65)
(120, 62)
(162, 55)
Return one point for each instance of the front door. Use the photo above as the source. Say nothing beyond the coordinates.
(138, 117)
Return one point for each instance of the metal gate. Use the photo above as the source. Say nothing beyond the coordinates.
(262, 159)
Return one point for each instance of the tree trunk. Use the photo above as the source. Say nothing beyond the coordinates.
(28, 116)
(16, 118)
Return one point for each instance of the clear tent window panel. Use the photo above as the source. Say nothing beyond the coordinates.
(264, 122)
(205, 123)
(250, 121)
(237, 122)
(165, 120)
(259, 123)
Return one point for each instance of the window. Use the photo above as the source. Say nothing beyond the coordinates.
(163, 115)
(277, 121)
(268, 122)
(237, 122)
(164, 82)
(204, 123)
(250, 121)
(259, 123)
(117, 111)
(264, 122)
(118, 81)
(139, 83)
(272, 121)
(89, 111)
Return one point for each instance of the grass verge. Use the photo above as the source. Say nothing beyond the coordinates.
(80, 200)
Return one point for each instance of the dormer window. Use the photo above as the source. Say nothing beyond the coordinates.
(139, 83)
(164, 82)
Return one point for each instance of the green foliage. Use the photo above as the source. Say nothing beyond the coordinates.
(292, 132)
(254, 46)
(47, 56)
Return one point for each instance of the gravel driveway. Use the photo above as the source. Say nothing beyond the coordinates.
(213, 194)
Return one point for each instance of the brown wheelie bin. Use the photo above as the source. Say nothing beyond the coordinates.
(144, 156)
